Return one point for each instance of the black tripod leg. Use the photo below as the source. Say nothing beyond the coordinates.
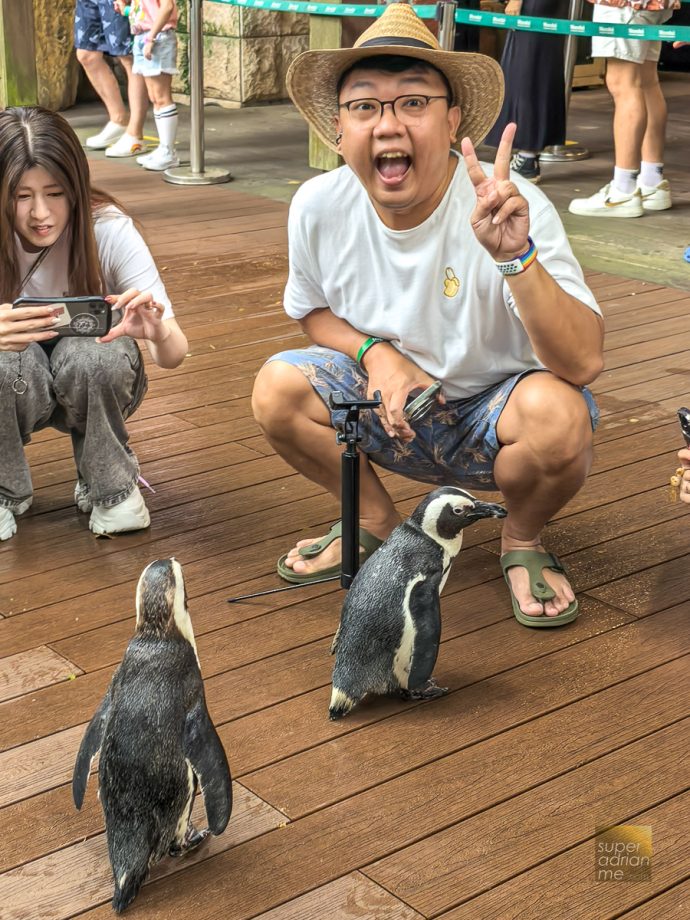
(350, 514)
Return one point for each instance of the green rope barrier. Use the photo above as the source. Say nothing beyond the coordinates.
(476, 18)
(567, 27)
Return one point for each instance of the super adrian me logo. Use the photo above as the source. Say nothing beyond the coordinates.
(623, 853)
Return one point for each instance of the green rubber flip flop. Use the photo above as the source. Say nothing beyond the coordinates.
(368, 542)
(534, 561)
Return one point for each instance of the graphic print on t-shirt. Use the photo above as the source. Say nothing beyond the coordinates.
(451, 283)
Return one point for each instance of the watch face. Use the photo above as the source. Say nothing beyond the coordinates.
(84, 324)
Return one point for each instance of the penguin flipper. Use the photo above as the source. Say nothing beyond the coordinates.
(89, 747)
(206, 754)
(334, 643)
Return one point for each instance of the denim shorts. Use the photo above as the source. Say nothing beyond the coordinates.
(163, 57)
(455, 444)
(99, 27)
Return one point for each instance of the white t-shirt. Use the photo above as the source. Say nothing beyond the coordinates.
(433, 291)
(125, 260)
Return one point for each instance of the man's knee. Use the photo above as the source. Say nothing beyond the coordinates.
(623, 77)
(280, 389)
(551, 416)
(88, 59)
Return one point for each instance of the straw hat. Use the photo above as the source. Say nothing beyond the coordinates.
(475, 79)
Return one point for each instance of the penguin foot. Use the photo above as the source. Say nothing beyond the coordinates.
(430, 691)
(341, 704)
(192, 839)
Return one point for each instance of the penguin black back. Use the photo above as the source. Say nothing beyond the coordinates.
(156, 740)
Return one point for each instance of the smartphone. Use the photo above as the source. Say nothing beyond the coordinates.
(80, 316)
(684, 419)
(417, 408)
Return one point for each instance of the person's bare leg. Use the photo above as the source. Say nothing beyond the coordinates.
(104, 82)
(655, 135)
(546, 433)
(624, 82)
(137, 97)
(297, 424)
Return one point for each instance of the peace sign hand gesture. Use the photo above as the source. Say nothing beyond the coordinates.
(500, 219)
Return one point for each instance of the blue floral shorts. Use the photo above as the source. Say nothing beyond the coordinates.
(99, 27)
(455, 444)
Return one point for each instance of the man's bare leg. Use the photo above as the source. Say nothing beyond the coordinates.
(297, 424)
(655, 135)
(624, 82)
(546, 434)
(104, 82)
(137, 97)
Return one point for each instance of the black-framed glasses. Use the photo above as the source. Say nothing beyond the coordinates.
(408, 109)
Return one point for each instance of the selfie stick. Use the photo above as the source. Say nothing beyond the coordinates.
(197, 174)
(349, 490)
(349, 480)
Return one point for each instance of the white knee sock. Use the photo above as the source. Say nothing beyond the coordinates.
(624, 180)
(166, 125)
(651, 174)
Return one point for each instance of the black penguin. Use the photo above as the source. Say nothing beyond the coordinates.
(156, 740)
(390, 626)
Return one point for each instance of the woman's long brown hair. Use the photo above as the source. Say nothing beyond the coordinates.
(34, 136)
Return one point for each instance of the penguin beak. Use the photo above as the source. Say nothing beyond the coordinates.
(486, 510)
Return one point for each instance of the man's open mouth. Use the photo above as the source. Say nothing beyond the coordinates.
(393, 167)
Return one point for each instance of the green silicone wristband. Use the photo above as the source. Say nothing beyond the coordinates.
(372, 340)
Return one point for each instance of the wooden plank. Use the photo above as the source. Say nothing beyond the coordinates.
(462, 861)
(567, 886)
(45, 889)
(477, 707)
(33, 669)
(673, 904)
(32, 828)
(353, 897)
(281, 865)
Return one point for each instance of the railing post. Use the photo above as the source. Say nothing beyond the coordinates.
(445, 14)
(197, 173)
(565, 153)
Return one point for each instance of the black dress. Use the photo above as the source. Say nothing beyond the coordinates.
(532, 65)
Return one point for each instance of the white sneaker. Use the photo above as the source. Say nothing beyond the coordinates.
(82, 497)
(655, 197)
(127, 146)
(161, 158)
(143, 158)
(608, 202)
(131, 514)
(8, 525)
(106, 137)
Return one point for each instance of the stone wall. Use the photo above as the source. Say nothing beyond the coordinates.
(246, 52)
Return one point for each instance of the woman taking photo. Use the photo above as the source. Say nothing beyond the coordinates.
(60, 237)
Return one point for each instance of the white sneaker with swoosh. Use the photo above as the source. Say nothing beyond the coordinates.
(655, 197)
(608, 202)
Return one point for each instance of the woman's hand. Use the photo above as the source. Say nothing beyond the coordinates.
(142, 318)
(513, 7)
(396, 377)
(500, 219)
(148, 48)
(21, 326)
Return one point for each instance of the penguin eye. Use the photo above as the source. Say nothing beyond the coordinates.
(458, 509)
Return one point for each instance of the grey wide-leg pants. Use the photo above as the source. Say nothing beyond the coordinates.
(84, 389)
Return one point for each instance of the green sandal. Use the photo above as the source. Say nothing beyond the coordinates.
(534, 561)
(367, 541)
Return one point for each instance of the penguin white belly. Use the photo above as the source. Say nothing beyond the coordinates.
(183, 822)
(402, 660)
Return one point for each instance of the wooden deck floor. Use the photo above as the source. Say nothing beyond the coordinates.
(483, 804)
